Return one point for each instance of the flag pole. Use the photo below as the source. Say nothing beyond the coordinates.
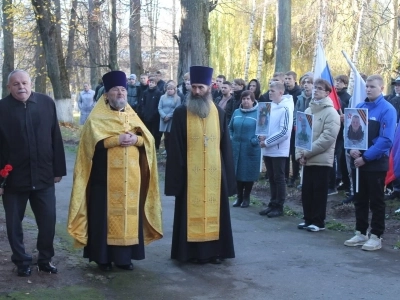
(357, 179)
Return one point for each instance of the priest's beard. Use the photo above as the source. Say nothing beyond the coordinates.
(199, 105)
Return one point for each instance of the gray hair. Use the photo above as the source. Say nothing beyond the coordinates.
(15, 72)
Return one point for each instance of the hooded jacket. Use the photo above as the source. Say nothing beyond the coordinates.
(280, 128)
(326, 125)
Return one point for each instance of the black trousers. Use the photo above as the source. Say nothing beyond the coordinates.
(336, 164)
(154, 128)
(43, 204)
(276, 174)
(314, 194)
(370, 196)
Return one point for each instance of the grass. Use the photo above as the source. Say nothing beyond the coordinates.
(397, 245)
(336, 226)
(287, 211)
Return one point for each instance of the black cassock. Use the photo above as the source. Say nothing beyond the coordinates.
(176, 185)
(97, 249)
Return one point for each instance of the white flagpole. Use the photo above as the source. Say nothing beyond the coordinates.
(357, 179)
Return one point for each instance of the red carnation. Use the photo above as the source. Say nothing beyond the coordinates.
(4, 173)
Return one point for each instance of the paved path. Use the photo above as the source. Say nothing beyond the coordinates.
(274, 260)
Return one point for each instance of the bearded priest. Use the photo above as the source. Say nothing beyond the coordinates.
(200, 174)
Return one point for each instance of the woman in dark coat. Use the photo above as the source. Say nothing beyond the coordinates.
(246, 150)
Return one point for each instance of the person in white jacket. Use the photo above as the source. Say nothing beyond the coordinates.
(276, 146)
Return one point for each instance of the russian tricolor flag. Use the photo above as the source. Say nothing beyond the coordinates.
(322, 71)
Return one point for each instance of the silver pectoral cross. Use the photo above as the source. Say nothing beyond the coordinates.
(205, 140)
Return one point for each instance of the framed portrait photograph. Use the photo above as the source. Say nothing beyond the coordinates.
(356, 128)
(304, 131)
(263, 117)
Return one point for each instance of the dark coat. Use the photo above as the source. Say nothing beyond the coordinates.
(30, 140)
(148, 109)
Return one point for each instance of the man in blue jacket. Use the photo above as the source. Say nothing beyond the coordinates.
(373, 165)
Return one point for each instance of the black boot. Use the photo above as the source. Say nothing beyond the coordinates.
(246, 195)
(239, 199)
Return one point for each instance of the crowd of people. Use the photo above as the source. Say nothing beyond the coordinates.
(212, 149)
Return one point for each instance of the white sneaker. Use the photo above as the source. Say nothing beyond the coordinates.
(314, 228)
(357, 240)
(374, 243)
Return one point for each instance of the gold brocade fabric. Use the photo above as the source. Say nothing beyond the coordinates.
(135, 166)
(204, 177)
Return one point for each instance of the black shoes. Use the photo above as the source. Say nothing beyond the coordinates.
(266, 211)
(275, 213)
(245, 203)
(47, 267)
(215, 261)
(348, 200)
(125, 267)
(238, 202)
(105, 267)
(24, 271)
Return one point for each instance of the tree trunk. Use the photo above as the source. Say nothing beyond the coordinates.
(8, 58)
(113, 54)
(283, 36)
(40, 66)
(94, 40)
(71, 34)
(52, 44)
(194, 41)
(250, 41)
(356, 46)
(261, 52)
(321, 30)
(135, 39)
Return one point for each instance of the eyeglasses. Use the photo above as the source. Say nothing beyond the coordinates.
(318, 88)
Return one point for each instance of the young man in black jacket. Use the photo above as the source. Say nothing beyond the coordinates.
(148, 110)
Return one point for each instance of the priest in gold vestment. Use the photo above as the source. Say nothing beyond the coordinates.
(200, 174)
(115, 204)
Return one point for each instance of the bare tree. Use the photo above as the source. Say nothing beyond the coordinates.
(8, 33)
(194, 40)
(135, 38)
(51, 38)
(40, 66)
(113, 47)
(71, 34)
(94, 40)
(283, 36)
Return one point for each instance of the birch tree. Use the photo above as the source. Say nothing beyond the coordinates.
(261, 50)
(250, 40)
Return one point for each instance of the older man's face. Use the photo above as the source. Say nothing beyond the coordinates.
(199, 89)
(20, 86)
(117, 96)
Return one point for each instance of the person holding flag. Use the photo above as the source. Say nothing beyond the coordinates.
(373, 165)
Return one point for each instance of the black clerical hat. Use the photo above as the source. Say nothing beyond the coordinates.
(201, 74)
(114, 78)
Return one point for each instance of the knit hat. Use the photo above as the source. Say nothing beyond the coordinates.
(201, 75)
(132, 76)
(114, 78)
